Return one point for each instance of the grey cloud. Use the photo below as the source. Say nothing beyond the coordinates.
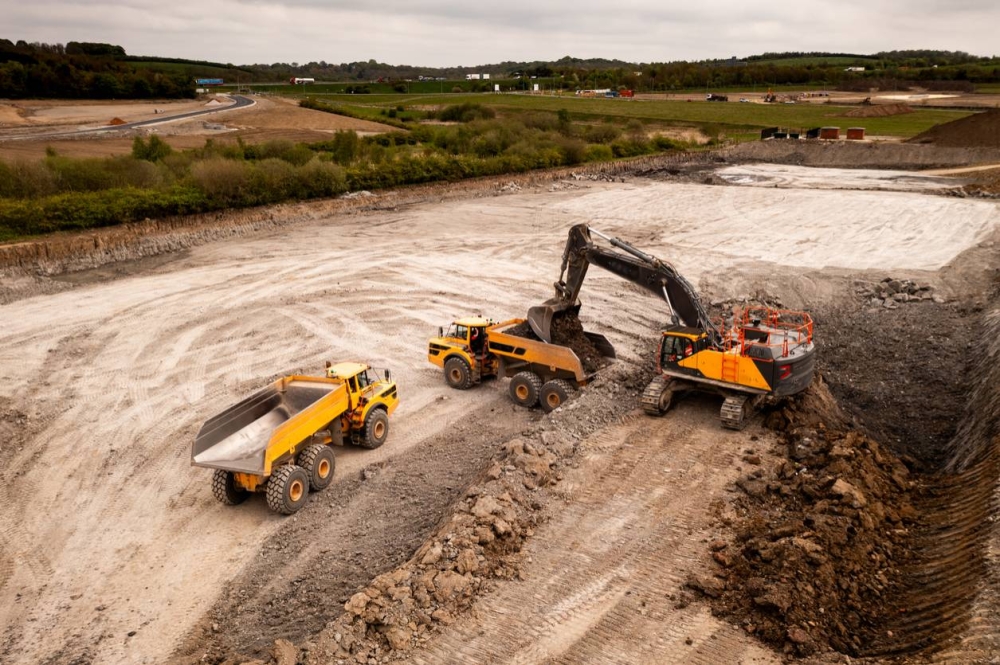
(439, 33)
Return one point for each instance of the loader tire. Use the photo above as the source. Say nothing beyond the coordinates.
(319, 464)
(525, 388)
(554, 394)
(225, 489)
(376, 429)
(287, 489)
(457, 373)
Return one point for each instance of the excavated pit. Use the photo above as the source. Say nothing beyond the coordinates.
(870, 531)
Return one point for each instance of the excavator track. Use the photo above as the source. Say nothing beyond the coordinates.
(736, 411)
(657, 396)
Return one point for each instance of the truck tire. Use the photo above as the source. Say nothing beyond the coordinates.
(525, 388)
(376, 429)
(554, 394)
(287, 489)
(319, 464)
(457, 373)
(225, 489)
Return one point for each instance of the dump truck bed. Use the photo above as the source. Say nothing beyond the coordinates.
(270, 424)
(560, 360)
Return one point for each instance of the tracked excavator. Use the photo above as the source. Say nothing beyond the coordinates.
(759, 354)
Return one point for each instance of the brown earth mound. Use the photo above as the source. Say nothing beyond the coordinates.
(821, 535)
(116, 121)
(974, 131)
(878, 111)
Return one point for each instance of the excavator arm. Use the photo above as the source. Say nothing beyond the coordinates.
(656, 276)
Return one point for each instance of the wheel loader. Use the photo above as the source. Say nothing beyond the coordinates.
(760, 354)
(541, 373)
(280, 440)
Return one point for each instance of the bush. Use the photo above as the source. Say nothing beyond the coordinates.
(573, 151)
(152, 151)
(321, 179)
(599, 153)
(224, 181)
(603, 133)
(466, 112)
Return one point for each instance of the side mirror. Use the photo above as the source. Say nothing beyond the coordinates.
(440, 331)
(387, 375)
(329, 364)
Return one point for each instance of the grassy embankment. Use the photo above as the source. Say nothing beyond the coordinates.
(491, 135)
(59, 193)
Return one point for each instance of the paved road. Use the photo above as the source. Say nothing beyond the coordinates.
(240, 102)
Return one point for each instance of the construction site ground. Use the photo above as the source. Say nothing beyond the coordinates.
(118, 345)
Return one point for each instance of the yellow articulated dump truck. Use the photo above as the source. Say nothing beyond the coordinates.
(279, 440)
(473, 349)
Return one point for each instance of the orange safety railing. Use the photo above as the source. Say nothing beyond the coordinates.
(767, 327)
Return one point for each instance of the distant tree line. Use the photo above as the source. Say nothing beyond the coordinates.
(82, 70)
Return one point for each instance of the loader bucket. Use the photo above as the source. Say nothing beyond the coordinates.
(540, 317)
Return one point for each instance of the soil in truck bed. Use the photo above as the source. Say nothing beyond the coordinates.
(567, 330)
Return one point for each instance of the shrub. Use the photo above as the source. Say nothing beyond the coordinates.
(222, 180)
(599, 153)
(603, 133)
(466, 112)
(152, 151)
(573, 151)
(321, 179)
(271, 180)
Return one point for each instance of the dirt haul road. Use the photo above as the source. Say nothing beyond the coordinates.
(111, 546)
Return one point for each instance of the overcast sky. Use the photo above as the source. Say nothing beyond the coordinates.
(437, 33)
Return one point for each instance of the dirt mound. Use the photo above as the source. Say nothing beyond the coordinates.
(567, 330)
(116, 121)
(975, 131)
(878, 111)
(821, 535)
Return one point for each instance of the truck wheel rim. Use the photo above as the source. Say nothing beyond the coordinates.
(379, 430)
(456, 376)
(521, 392)
(553, 400)
(296, 490)
(324, 468)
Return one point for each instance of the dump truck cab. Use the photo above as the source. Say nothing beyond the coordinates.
(367, 390)
(462, 351)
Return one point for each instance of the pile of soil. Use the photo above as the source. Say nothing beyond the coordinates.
(567, 330)
(820, 534)
(975, 131)
(878, 111)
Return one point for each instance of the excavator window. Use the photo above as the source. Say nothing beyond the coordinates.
(676, 348)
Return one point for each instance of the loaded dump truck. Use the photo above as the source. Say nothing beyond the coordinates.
(279, 440)
(475, 348)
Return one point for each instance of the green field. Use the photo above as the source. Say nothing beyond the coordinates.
(730, 118)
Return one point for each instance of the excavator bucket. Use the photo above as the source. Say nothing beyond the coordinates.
(540, 317)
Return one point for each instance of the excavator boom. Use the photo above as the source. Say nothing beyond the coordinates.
(645, 270)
